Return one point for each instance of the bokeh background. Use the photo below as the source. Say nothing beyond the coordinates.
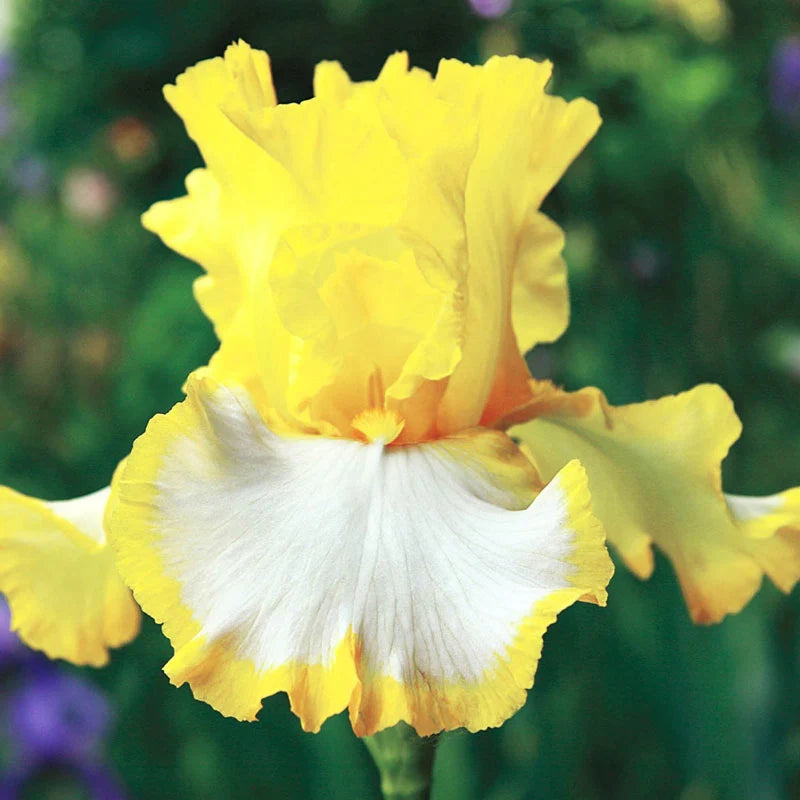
(683, 242)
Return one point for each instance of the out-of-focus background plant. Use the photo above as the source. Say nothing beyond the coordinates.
(683, 242)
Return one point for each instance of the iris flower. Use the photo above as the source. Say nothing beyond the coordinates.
(365, 500)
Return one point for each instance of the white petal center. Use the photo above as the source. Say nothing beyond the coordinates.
(287, 544)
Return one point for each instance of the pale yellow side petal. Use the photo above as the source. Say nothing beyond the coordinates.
(60, 577)
(760, 517)
(654, 473)
(772, 525)
(409, 583)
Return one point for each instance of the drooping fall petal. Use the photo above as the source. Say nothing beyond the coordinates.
(410, 582)
(60, 578)
(654, 474)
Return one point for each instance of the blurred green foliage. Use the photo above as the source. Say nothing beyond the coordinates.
(684, 249)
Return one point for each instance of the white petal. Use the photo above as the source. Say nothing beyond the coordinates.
(762, 516)
(85, 513)
(284, 551)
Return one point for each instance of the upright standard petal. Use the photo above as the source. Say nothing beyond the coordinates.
(654, 473)
(448, 171)
(191, 226)
(407, 582)
(508, 179)
(60, 579)
(236, 208)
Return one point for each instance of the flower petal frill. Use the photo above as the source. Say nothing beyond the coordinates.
(406, 176)
(406, 583)
(60, 578)
(654, 474)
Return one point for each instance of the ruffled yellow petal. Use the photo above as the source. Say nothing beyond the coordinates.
(508, 179)
(343, 164)
(243, 78)
(60, 578)
(335, 289)
(191, 226)
(331, 83)
(228, 222)
(382, 234)
(654, 473)
(540, 299)
(410, 582)
(760, 517)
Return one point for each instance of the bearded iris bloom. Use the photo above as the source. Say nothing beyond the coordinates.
(365, 500)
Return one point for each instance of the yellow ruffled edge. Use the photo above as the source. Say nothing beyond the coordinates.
(768, 545)
(380, 701)
(233, 686)
(728, 585)
(725, 578)
(116, 623)
(760, 517)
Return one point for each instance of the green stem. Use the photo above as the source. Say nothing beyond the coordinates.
(404, 761)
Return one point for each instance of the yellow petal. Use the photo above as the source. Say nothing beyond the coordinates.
(509, 177)
(335, 288)
(654, 473)
(411, 582)
(331, 82)
(192, 226)
(60, 578)
(760, 517)
(342, 162)
(227, 222)
(540, 300)
(242, 78)
(294, 213)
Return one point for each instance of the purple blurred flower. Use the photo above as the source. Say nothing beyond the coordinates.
(96, 781)
(491, 9)
(785, 78)
(100, 782)
(6, 117)
(31, 176)
(12, 651)
(6, 67)
(57, 717)
(646, 262)
(6, 111)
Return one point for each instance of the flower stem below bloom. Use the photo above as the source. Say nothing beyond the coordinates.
(404, 761)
